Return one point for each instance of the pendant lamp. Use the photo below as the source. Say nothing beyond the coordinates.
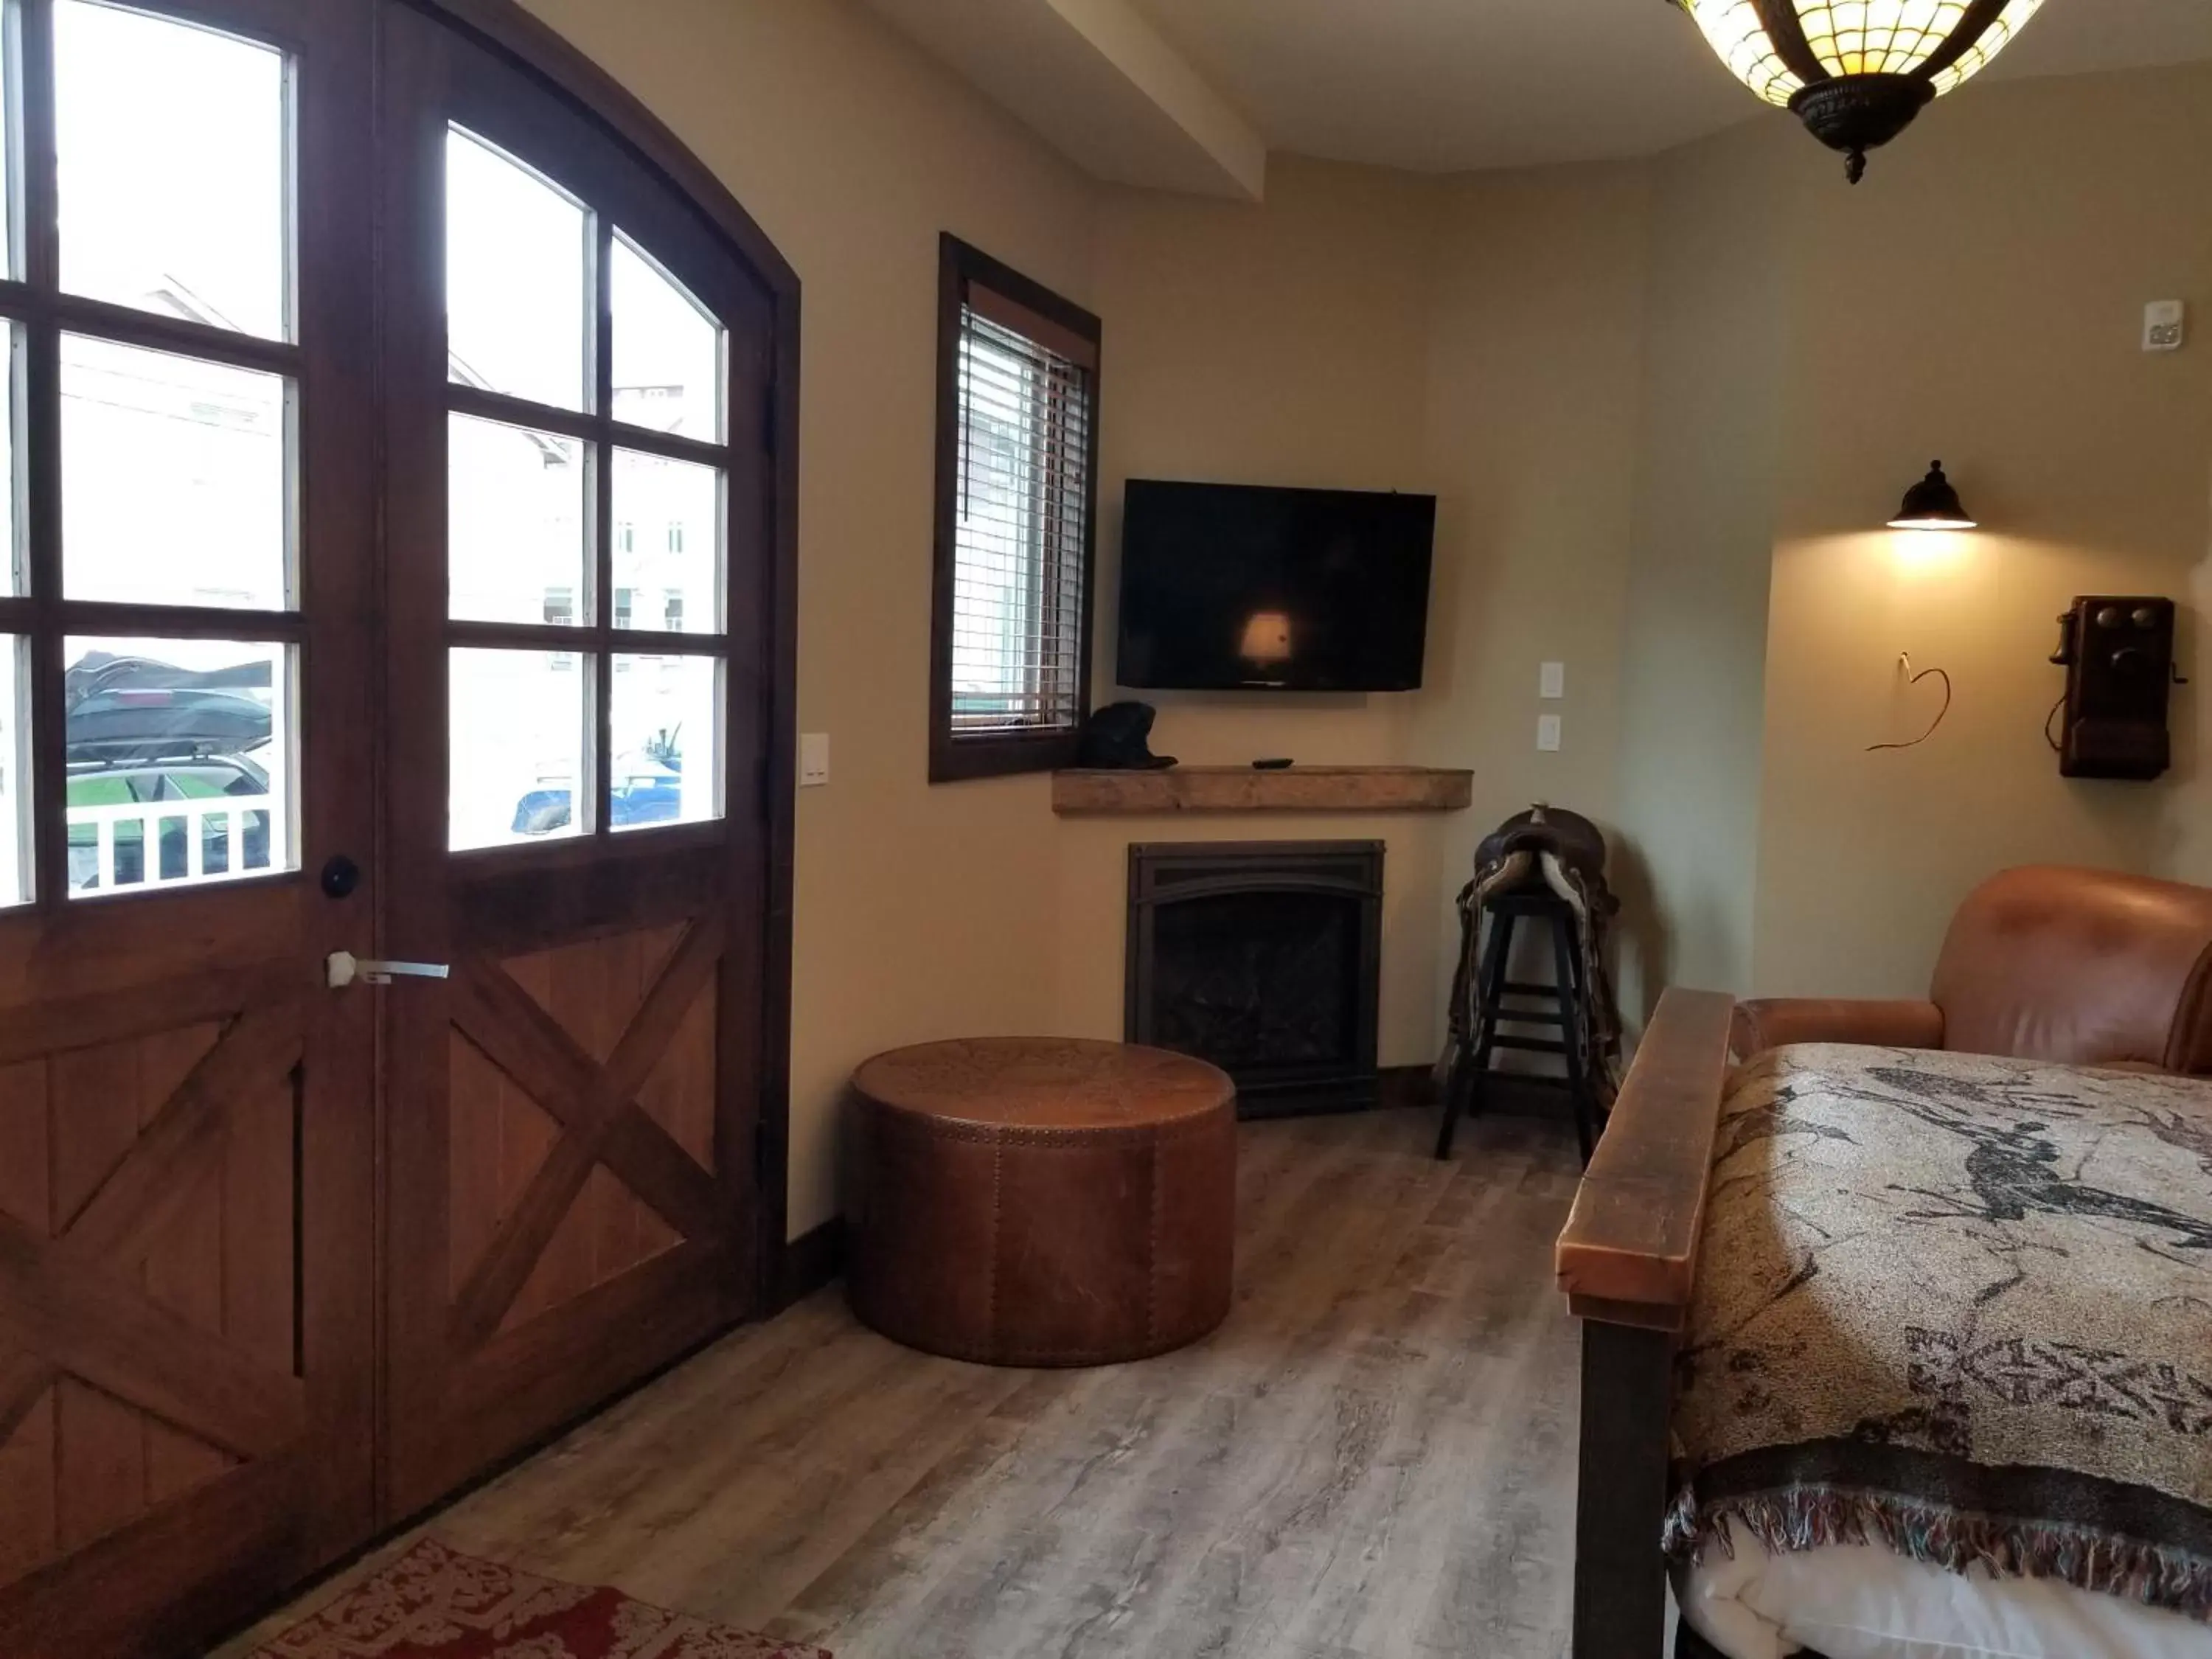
(1858, 72)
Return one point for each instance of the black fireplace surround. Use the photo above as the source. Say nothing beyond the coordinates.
(1266, 958)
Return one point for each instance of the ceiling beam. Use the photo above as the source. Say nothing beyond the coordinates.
(1099, 83)
(1122, 36)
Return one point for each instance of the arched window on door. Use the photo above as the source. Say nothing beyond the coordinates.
(586, 388)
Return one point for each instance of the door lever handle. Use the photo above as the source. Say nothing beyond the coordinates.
(346, 969)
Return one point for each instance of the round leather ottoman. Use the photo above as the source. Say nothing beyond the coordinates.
(1040, 1202)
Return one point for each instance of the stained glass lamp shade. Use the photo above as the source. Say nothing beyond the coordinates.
(1858, 72)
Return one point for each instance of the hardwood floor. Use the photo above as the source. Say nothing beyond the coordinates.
(1373, 1458)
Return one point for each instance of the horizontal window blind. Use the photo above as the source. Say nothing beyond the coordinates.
(1019, 532)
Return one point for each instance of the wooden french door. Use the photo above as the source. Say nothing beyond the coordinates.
(389, 569)
(578, 381)
(187, 1130)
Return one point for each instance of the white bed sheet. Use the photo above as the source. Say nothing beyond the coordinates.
(1861, 1601)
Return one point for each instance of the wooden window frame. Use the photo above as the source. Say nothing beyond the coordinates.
(605, 629)
(35, 312)
(993, 754)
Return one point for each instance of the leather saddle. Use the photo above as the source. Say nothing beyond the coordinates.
(1544, 847)
(1544, 850)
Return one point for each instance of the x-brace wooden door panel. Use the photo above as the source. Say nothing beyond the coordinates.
(162, 1428)
(581, 1104)
(577, 1210)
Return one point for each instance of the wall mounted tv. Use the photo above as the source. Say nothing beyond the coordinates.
(1226, 586)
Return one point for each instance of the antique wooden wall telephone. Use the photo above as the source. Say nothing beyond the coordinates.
(2118, 656)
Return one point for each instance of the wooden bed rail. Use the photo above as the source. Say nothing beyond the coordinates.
(1629, 1255)
(1628, 1261)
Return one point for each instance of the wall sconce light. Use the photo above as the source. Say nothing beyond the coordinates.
(1933, 504)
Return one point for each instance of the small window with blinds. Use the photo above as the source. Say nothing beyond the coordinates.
(1017, 463)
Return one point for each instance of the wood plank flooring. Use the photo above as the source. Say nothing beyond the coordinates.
(1372, 1459)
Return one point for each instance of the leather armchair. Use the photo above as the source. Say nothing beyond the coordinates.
(2085, 967)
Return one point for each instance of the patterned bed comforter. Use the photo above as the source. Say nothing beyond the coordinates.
(1962, 1307)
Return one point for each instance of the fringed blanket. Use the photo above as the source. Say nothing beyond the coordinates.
(1961, 1307)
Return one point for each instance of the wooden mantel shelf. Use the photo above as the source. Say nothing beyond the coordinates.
(1241, 789)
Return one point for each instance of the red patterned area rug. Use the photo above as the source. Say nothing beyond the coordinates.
(436, 1603)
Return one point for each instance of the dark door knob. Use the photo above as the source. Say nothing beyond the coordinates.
(340, 876)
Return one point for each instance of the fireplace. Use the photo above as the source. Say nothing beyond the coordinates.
(1264, 957)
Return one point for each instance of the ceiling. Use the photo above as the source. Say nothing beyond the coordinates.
(1428, 85)
(1445, 85)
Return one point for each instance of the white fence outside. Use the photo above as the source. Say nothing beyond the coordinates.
(195, 818)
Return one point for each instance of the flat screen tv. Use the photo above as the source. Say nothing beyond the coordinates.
(1227, 587)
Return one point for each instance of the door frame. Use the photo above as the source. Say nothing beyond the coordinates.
(510, 31)
(189, 1567)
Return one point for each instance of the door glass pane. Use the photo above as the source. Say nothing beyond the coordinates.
(515, 756)
(666, 730)
(668, 545)
(14, 771)
(516, 260)
(667, 352)
(173, 479)
(8, 213)
(172, 143)
(181, 762)
(515, 503)
(11, 546)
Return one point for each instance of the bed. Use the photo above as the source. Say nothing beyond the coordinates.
(1897, 1354)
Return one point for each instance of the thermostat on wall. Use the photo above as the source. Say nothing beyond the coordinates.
(2165, 325)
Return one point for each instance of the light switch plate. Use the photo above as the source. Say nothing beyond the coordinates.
(2165, 325)
(813, 759)
(1548, 732)
(1552, 680)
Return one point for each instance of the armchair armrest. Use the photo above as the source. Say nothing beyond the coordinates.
(1776, 1022)
(1628, 1260)
(1629, 1255)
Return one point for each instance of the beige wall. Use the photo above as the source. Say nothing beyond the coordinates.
(920, 912)
(1478, 340)
(2007, 343)
(1694, 664)
(1666, 410)
(1811, 346)
(1662, 406)
(1535, 358)
(1283, 344)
